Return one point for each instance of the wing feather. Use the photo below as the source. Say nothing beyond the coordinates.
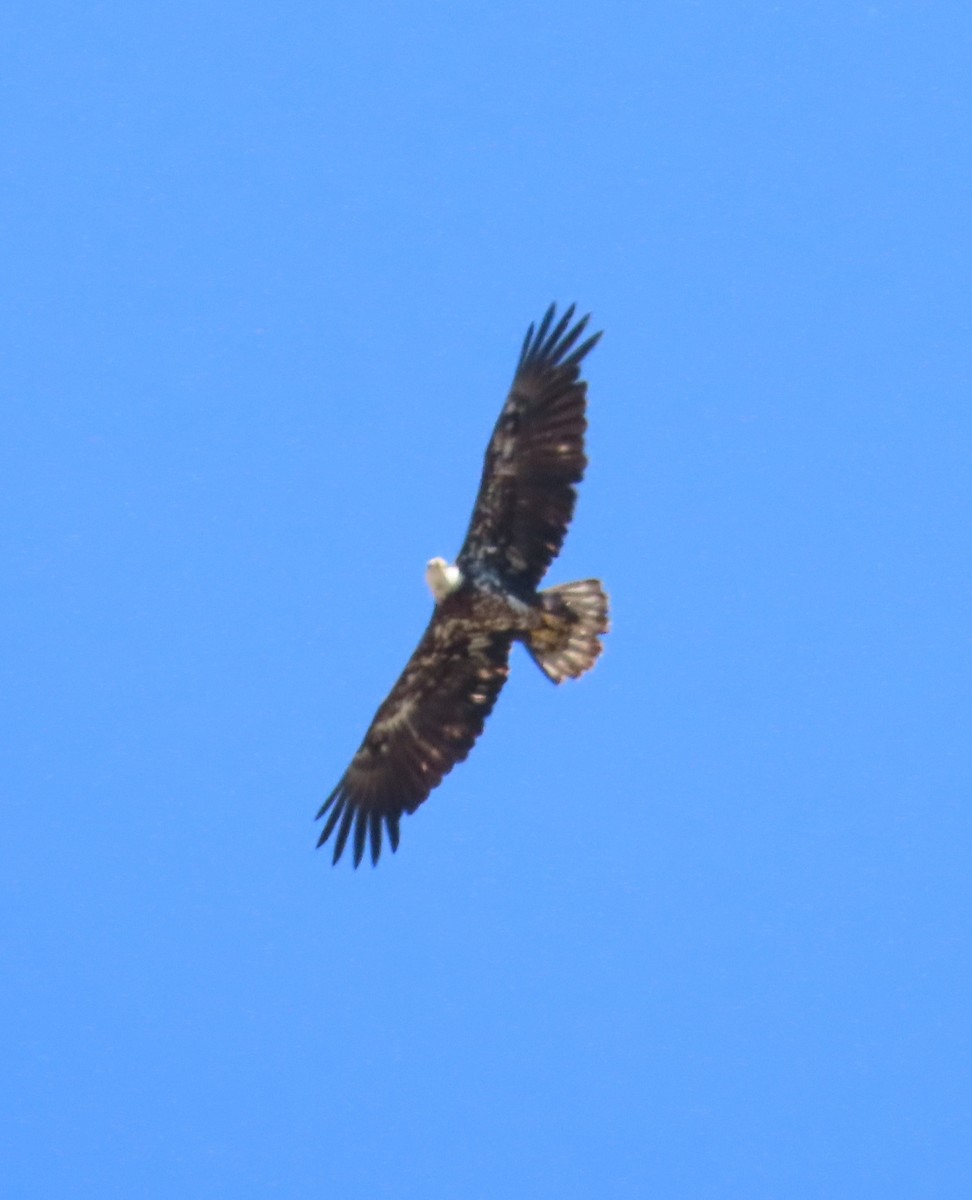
(428, 723)
(535, 457)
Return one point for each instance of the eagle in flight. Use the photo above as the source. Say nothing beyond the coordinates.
(488, 600)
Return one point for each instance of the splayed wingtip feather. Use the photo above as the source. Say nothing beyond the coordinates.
(360, 833)
(583, 350)
(332, 820)
(329, 801)
(556, 334)
(342, 833)
(563, 345)
(544, 326)
(375, 829)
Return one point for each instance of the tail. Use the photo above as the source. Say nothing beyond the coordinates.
(574, 616)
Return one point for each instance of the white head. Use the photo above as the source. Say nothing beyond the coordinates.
(442, 578)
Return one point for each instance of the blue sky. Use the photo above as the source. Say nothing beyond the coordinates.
(695, 926)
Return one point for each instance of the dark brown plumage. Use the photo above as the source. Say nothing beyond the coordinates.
(428, 723)
(437, 709)
(536, 454)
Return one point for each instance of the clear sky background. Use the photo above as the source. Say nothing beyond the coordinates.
(696, 926)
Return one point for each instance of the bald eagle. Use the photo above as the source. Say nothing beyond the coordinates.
(487, 600)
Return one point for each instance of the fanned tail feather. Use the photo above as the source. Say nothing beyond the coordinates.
(575, 616)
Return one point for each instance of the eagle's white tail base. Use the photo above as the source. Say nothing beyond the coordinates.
(575, 615)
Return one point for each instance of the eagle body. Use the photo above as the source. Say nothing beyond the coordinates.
(487, 600)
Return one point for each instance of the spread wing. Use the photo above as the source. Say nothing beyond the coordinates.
(428, 723)
(535, 456)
